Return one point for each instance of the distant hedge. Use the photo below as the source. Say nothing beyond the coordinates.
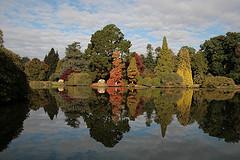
(218, 82)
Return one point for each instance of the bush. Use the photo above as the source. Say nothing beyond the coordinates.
(156, 82)
(147, 81)
(170, 79)
(164, 80)
(82, 78)
(198, 78)
(218, 82)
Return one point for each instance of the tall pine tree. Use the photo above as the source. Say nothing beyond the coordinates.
(132, 71)
(164, 60)
(51, 60)
(149, 61)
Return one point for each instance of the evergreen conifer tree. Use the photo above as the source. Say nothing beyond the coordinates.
(164, 60)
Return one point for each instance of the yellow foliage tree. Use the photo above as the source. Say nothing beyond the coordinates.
(184, 67)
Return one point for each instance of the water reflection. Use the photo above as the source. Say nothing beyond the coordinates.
(222, 119)
(11, 122)
(107, 114)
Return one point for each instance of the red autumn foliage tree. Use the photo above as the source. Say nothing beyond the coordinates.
(139, 63)
(116, 74)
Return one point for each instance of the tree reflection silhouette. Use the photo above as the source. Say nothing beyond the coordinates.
(11, 122)
(43, 98)
(222, 119)
(107, 115)
(165, 102)
(102, 126)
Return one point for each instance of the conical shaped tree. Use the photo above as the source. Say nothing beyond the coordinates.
(116, 74)
(165, 60)
(184, 67)
(132, 71)
(149, 61)
(164, 44)
(51, 60)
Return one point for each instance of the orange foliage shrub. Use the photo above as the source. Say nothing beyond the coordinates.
(116, 74)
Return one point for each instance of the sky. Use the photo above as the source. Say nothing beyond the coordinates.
(32, 27)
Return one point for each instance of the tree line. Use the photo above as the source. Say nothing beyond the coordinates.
(218, 57)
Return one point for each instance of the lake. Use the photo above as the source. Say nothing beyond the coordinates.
(82, 123)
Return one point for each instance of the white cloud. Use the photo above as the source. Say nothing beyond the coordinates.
(31, 28)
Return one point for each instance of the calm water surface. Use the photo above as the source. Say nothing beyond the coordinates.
(81, 123)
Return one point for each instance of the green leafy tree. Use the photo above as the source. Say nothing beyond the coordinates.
(14, 84)
(51, 60)
(102, 44)
(16, 59)
(199, 67)
(1, 39)
(132, 71)
(74, 59)
(164, 60)
(221, 54)
(73, 50)
(36, 70)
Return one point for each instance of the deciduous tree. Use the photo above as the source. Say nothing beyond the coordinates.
(14, 84)
(220, 53)
(36, 70)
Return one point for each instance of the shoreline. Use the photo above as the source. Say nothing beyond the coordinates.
(52, 85)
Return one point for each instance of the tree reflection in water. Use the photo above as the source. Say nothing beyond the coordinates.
(107, 114)
(222, 119)
(11, 122)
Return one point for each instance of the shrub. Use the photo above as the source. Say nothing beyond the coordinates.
(163, 80)
(82, 78)
(156, 82)
(147, 81)
(170, 79)
(218, 82)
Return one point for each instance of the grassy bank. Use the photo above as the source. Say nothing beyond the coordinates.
(45, 84)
